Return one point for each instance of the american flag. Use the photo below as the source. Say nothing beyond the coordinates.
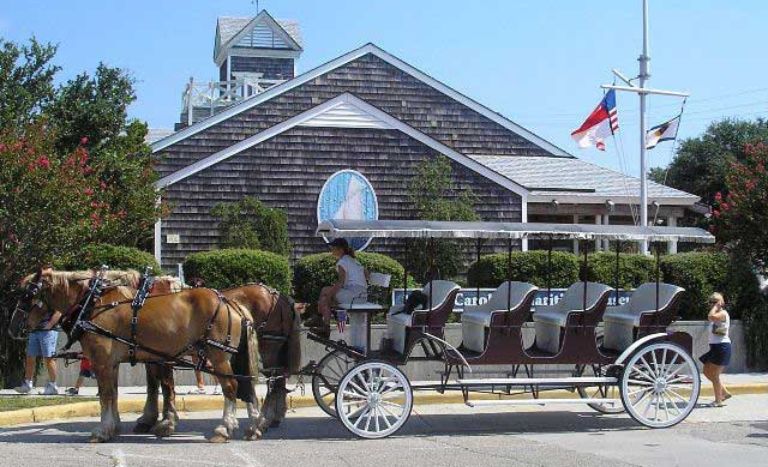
(341, 320)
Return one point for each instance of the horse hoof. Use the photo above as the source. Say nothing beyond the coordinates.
(98, 437)
(142, 428)
(252, 434)
(220, 435)
(164, 429)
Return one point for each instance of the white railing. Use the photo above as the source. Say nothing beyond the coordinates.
(215, 95)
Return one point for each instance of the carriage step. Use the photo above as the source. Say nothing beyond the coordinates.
(576, 381)
(615, 402)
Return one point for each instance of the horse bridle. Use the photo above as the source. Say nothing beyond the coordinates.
(21, 310)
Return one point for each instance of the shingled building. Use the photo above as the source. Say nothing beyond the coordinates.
(266, 132)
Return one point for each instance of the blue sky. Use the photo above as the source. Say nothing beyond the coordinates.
(540, 63)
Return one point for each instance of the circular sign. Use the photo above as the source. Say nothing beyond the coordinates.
(347, 194)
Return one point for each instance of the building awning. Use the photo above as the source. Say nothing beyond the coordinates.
(508, 230)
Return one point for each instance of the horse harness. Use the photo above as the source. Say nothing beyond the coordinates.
(83, 309)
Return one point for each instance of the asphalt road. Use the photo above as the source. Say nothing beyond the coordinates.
(445, 435)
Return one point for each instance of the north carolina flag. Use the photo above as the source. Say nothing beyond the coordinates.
(667, 131)
(601, 123)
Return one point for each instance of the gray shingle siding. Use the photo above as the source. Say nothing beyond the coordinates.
(271, 68)
(288, 172)
(382, 85)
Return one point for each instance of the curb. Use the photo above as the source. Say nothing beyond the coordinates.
(209, 403)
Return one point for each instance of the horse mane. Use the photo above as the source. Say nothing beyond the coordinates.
(62, 279)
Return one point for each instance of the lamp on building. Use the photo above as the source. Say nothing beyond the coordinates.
(555, 204)
(610, 205)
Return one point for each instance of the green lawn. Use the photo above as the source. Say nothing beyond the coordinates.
(25, 402)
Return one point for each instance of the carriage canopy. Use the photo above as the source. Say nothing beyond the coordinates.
(508, 230)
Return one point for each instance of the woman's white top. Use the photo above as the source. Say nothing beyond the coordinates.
(717, 338)
(354, 272)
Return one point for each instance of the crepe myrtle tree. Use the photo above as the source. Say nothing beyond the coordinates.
(740, 215)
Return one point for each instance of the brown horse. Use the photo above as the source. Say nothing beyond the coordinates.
(168, 325)
(279, 350)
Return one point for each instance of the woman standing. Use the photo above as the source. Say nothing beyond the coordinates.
(719, 355)
(351, 285)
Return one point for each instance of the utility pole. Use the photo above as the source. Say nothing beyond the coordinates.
(643, 92)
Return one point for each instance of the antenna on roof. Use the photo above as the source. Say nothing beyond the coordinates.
(256, 2)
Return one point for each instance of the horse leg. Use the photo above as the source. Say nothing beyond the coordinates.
(170, 417)
(223, 432)
(254, 432)
(149, 417)
(106, 375)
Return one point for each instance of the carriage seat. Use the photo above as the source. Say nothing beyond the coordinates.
(623, 321)
(442, 294)
(549, 320)
(510, 296)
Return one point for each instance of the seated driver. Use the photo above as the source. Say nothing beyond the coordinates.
(350, 287)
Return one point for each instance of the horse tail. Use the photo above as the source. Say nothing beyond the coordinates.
(253, 353)
(294, 339)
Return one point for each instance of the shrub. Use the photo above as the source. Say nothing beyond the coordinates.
(313, 272)
(700, 274)
(250, 224)
(633, 269)
(527, 266)
(221, 269)
(116, 257)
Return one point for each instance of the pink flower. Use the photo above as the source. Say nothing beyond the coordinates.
(724, 206)
(718, 196)
(88, 191)
(716, 213)
(43, 162)
(2, 147)
(83, 140)
(103, 185)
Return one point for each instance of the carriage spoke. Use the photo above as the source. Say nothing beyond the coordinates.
(637, 382)
(384, 413)
(354, 395)
(376, 420)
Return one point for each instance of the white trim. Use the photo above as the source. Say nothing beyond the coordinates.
(340, 61)
(343, 99)
(346, 115)
(524, 218)
(261, 53)
(375, 200)
(159, 242)
(263, 16)
(544, 197)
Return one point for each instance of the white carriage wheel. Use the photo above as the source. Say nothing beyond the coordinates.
(374, 400)
(600, 391)
(660, 385)
(326, 377)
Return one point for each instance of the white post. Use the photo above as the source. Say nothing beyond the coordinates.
(598, 221)
(672, 245)
(190, 92)
(576, 242)
(644, 76)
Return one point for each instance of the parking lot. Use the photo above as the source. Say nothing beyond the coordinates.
(435, 435)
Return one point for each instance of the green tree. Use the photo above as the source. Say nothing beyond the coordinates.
(248, 223)
(433, 195)
(701, 164)
(26, 81)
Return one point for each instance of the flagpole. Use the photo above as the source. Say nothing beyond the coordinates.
(644, 76)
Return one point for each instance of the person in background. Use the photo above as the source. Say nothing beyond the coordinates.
(352, 284)
(85, 372)
(719, 355)
(41, 344)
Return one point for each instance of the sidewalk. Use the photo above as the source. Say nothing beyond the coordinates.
(132, 398)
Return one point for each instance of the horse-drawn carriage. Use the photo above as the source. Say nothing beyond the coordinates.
(619, 357)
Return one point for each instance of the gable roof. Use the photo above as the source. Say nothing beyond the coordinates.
(274, 91)
(579, 181)
(230, 28)
(343, 102)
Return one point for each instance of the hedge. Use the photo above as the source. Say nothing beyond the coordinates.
(313, 272)
(527, 266)
(116, 257)
(233, 267)
(633, 269)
